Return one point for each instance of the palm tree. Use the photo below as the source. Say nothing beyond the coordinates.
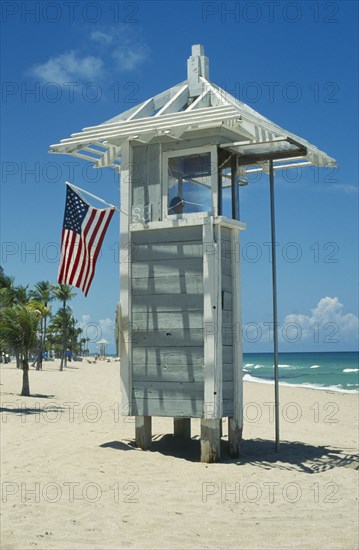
(43, 293)
(64, 293)
(11, 295)
(7, 290)
(18, 333)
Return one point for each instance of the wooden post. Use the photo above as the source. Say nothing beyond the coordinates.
(210, 440)
(234, 437)
(182, 428)
(125, 281)
(235, 423)
(143, 428)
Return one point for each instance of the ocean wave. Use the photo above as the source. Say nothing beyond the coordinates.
(340, 389)
(250, 378)
(350, 370)
(315, 367)
(249, 365)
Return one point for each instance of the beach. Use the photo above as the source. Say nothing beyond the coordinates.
(72, 478)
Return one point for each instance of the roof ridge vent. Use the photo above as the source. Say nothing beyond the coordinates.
(197, 65)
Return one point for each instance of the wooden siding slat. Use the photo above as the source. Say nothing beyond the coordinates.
(158, 268)
(187, 284)
(227, 301)
(167, 338)
(167, 320)
(171, 407)
(168, 390)
(167, 302)
(167, 372)
(226, 283)
(171, 235)
(166, 357)
(227, 372)
(165, 251)
(146, 178)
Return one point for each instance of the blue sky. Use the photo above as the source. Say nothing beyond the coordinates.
(70, 65)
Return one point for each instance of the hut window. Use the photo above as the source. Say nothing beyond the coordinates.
(189, 184)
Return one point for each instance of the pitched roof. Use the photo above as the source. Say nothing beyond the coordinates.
(190, 109)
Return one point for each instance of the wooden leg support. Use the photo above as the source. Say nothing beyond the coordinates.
(234, 437)
(143, 428)
(210, 440)
(182, 428)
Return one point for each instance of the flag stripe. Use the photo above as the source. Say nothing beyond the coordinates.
(89, 229)
(95, 228)
(62, 259)
(72, 237)
(64, 251)
(98, 248)
(82, 236)
(84, 255)
(75, 263)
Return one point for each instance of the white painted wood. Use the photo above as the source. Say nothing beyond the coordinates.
(168, 390)
(172, 267)
(176, 103)
(237, 342)
(168, 320)
(125, 282)
(171, 252)
(199, 117)
(145, 109)
(214, 180)
(198, 218)
(143, 427)
(109, 156)
(168, 338)
(210, 440)
(170, 407)
(197, 66)
(183, 371)
(212, 319)
(151, 360)
(158, 101)
(167, 302)
(202, 101)
(146, 186)
(83, 156)
(174, 389)
(174, 357)
(187, 284)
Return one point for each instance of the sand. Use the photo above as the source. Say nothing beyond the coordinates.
(72, 479)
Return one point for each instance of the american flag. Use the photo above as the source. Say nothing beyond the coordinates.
(83, 231)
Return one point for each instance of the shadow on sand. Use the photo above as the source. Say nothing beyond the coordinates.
(22, 409)
(296, 455)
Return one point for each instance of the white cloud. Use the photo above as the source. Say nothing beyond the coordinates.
(129, 57)
(128, 49)
(117, 49)
(328, 319)
(69, 67)
(101, 37)
(96, 330)
(85, 319)
(345, 188)
(107, 326)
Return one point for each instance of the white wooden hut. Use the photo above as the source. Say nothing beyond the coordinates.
(182, 156)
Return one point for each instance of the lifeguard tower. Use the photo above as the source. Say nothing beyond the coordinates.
(182, 156)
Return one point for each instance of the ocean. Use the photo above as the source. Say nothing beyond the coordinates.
(336, 371)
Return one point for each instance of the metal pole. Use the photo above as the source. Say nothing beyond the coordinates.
(275, 317)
